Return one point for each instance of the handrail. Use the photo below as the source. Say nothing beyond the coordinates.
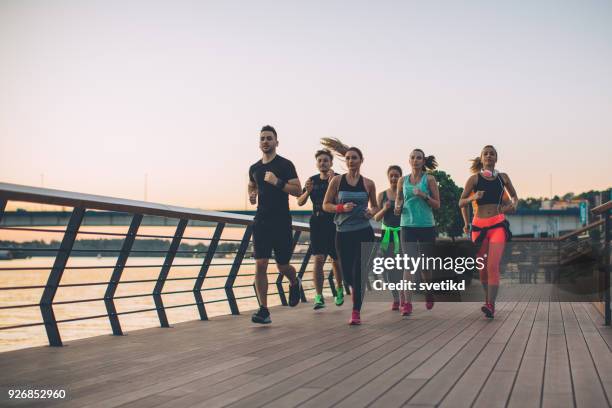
(600, 209)
(81, 203)
(579, 231)
(17, 192)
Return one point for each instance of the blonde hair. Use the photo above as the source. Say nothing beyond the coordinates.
(338, 147)
(477, 162)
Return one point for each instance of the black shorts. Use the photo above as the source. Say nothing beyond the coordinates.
(273, 233)
(323, 236)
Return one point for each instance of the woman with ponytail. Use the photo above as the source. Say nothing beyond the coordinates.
(417, 194)
(348, 196)
(490, 229)
(390, 241)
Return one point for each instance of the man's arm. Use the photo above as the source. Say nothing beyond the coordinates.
(252, 189)
(293, 187)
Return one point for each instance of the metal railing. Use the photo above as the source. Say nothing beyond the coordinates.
(82, 203)
(605, 211)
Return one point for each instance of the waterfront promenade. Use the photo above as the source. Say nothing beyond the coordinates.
(533, 354)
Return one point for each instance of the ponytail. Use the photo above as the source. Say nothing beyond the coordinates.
(476, 165)
(338, 147)
(429, 162)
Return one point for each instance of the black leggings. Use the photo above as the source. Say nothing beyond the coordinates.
(348, 246)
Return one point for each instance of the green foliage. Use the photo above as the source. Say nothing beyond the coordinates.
(530, 203)
(448, 216)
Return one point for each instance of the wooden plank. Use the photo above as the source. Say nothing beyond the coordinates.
(486, 346)
(155, 381)
(598, 348)
(293, 400)
(404, 388)
(497, 373)
(353, 359)
(432, 390)
(558, 386)
(527, 389)
(587, 385)
(350, 360)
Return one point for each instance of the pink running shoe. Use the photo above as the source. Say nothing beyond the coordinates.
(429, 301)
(407, 309)
(489, 310)
(355, 318)
(395, 306)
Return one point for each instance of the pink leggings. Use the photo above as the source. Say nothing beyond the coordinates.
(492, 248)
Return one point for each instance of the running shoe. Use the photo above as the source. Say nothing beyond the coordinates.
(319, 302)
(395, 305)
(295, 293)
(262, 316)
(429, 301)
(489, 310)
(355, 318)
(340, 296)
(407, 309)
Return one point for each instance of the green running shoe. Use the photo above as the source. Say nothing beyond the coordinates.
(319, 302)
(340, 296)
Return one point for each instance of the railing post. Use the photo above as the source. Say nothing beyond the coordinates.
(55, 277)
(303, 270)
(279, 278)
(606, 266)
(163, 274)
(231, 277)
(126, 248)
(210, 253)
(2, 207)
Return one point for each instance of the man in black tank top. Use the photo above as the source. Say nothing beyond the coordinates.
(322, 228)
(271, 180)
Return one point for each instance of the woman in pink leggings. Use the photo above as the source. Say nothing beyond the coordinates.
(490, 229)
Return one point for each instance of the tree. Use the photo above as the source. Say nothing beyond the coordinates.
(448, 216)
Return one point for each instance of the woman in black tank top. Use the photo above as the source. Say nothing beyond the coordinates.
(390, 241)
(490, 229)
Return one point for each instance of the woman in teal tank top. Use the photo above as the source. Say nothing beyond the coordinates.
(417, 196)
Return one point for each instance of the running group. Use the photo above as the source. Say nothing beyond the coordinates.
(343, 205)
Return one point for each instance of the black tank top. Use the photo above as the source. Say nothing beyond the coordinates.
(493, 190)
(319, 188)
(390, 219)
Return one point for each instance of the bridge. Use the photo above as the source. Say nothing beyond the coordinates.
(538, 351)
(524, 222)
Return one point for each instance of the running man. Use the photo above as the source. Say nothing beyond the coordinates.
(490, 229)
(348, 196)
(322, 228)
(271, 180)
(390, 240)
(417, 196)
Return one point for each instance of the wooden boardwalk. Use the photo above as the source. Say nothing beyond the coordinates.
(533, 354)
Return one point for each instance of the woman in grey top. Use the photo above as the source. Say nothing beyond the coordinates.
(352, 198)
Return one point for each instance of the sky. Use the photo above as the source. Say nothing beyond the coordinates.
(96, 96)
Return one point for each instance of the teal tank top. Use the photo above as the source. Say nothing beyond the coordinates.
(416, 212)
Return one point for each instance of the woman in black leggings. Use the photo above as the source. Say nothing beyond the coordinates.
(348, 196)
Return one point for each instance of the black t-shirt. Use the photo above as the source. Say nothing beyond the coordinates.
(271, 200)
(319, 188)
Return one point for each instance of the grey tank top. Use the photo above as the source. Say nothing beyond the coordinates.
(356, 219)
